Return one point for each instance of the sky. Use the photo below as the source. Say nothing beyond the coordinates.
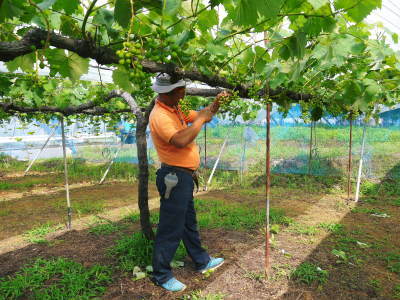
(389, 16)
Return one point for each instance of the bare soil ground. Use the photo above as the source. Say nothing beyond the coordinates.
(364, 276)
(24, 213)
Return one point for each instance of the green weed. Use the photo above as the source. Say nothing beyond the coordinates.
(335, 228)
(105, 227)
(37, 234)
(5, 212)
(281, 271)
(302, 229)
(88, 207)
(376, 285)
(133, 217)
(396, 291)
(396, 202)
(393, 262)
(366, 210)
(257, 276)
(309, 273)
(198, 295)
(136, 251)
(216, 214)
(56, 279)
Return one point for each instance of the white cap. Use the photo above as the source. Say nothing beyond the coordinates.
(164, 83)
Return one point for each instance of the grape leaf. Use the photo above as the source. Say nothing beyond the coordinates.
(10, 9)
(46, 4)
(360, 10)
(123, 12)
(121, 78)
(171, 7)
(269, 8)
(67, 65)
(207, 19)
(317, 4)
(104, 17)
(69, 6)
(218, 50)
(24, 62)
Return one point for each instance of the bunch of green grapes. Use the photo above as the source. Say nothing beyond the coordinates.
(185, 106)
(160, 48)
(37, 81)
(254, 91)
(130, 57)
(224, 101)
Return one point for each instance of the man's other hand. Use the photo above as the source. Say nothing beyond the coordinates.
(205, 114)
(217, 102)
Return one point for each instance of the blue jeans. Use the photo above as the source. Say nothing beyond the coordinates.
(177, 222)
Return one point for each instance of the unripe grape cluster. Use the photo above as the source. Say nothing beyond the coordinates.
(158, 47)
(130, 57)
(37, 81)
(224, 101)
(185, 106)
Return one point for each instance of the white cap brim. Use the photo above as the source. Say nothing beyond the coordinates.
(161, 89)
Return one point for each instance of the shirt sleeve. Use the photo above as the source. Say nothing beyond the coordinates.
(164, 126)
(191, 116)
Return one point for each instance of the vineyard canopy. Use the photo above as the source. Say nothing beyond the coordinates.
(319, 53)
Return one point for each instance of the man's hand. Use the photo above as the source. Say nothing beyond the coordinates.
(205, 115)
(217, 102)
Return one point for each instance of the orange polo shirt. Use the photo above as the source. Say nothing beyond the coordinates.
(164, 122)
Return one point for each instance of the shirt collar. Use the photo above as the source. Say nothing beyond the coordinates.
(165, 106)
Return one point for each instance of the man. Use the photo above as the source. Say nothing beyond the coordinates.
(179, 155)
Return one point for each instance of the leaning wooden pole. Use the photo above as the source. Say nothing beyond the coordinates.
(40, 151)
(69, 210)
(360, 164)
(267, 189)
(350, 160)
(205, 156)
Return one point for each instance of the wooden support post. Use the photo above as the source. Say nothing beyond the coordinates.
(69, 210)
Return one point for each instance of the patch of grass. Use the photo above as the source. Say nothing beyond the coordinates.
(105, 227)
(371, 200)
(36, 235)
(10, 164)
(396, 291)
(16, 186)
(217, 214)
(88, 207)
(366, 210)
(335, 228)
(281, 271)
(56, 279)
(376, 285)
(393, 262)
(198, 295)
(133, 217)
(309, 273)
(257, 276)
(5, 212)
(385, 187)
(396, 202)
(302, 229)
(136, 251)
